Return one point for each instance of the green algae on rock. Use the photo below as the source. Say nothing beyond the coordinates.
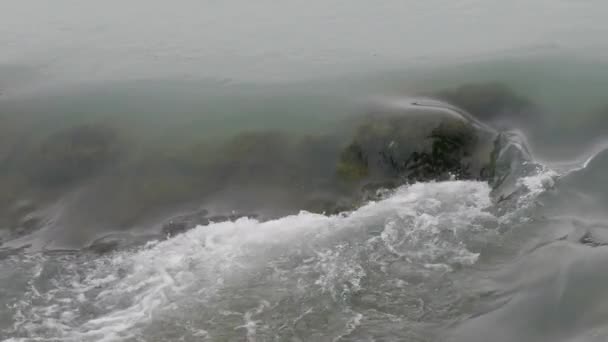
(416, 145)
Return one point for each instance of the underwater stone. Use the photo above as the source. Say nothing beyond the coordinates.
(74, 154)
(260, 156)
(397, 147)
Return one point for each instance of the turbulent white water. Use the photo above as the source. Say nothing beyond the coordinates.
(306, 277)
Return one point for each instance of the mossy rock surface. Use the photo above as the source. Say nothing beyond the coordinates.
(404, 147)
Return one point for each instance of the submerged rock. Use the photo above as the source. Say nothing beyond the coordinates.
(396, 146)
(257, 157)
(274, 162)
(259, 170)
(74, 154)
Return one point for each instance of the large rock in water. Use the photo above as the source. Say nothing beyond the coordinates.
(398, 144)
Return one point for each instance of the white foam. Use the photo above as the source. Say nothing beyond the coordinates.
(537, 184)
(426, 225)
(523, 197)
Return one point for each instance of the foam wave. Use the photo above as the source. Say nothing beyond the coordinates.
(237, 273)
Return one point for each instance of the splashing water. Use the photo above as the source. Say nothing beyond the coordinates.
(304, 277)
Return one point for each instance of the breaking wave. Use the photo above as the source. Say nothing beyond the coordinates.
(302, 277)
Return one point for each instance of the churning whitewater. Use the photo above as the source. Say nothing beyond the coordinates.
(392, 269)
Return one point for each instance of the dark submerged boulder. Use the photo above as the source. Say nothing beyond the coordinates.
(392, 146)
(291, 164)
(324, 174)
(259, 157)
(74, 154)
